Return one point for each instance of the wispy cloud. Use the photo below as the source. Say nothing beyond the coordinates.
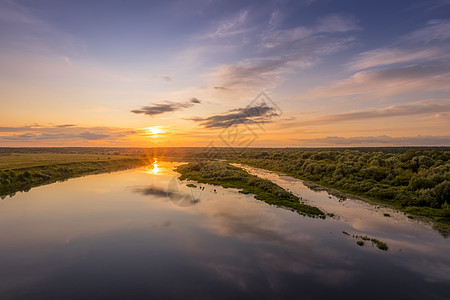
(268, 71)
(388, 82)
(288, 38)
(230, 27)
(388, 56)
(64, 132)
(250, 74)
(15, 13)
(29, 32)
(383, 140)
(157, 109)
(261, 113)
(436, 30)
(417, 108)
(280, 51)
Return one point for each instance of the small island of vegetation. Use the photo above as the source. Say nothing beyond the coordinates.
(228, 176)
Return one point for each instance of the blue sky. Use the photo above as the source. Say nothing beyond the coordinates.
(359, 73)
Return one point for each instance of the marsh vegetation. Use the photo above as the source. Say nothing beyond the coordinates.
(228, 176)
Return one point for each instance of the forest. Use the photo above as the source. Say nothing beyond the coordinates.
(416, 181)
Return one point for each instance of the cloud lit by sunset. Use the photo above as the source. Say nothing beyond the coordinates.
(177, 73)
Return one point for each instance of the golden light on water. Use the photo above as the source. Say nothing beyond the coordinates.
(155, 170)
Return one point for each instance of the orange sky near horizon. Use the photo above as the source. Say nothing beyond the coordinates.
(142, 74)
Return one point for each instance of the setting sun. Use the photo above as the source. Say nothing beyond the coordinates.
(154, 131)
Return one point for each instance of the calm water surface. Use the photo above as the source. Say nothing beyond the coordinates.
(141, 234)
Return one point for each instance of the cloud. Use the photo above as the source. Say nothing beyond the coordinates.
(157, 109)
(28, 31)
(266, 72)
(417, 108)
(436, 30)
(250, 74)
(260, 113)
(430, 5)
(388, 82)
(93, 136)
(284, 50)
(388, 56)
(65, 125)
(12, 12)
(231, 27)
(66, 132)
(287, 38)
(337, 23)
(382, 140)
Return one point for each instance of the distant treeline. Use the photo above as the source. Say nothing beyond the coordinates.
(200, 151)
(417, 181)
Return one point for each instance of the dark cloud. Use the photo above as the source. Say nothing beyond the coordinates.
(157, 109)
(93, 136)
(167, 78)
(56, 136)
(64, 132)
(15, 129)
(221, 88)
(261, 113)
(65, 125)
(19, 137)
(383, 140)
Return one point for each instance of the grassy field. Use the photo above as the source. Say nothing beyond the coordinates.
(23, 171)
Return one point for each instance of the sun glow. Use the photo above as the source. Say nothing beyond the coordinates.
(154, 131)
(155, 170)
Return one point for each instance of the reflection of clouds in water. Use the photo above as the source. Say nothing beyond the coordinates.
(277, 249)
(433, 271)
(150, 191)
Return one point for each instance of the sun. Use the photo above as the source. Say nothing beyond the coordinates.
(154, 131)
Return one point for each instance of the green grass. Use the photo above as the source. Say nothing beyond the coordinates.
(228, 176)
(379, 244)
(25, 171)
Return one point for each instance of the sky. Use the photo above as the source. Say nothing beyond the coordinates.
(217, 73)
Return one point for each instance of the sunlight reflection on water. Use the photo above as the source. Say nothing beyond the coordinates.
(68, 241)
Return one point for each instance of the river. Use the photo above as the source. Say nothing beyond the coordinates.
(142, 234)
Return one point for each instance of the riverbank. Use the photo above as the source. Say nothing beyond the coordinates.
(438, 217)
(22, 172)
(228, 176)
